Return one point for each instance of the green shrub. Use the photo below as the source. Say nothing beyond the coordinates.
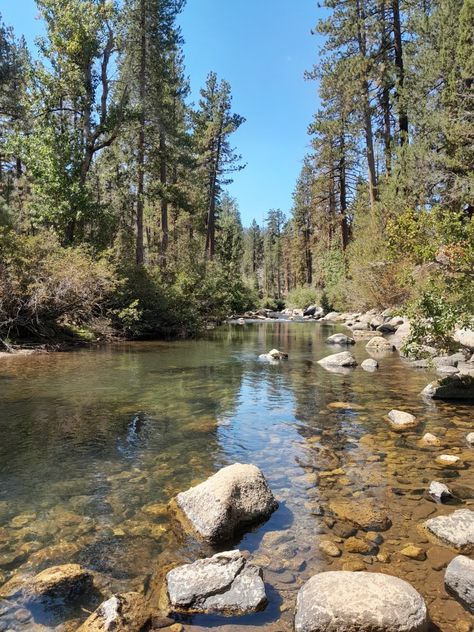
(45, 288)
(303, 296)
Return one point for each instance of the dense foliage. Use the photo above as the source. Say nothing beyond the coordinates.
(109, 177)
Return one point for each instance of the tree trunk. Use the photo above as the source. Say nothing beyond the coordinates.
(398, 47)
(369, 136)
(164, 201)
(343, 196)
(385, 95)
(139, 251)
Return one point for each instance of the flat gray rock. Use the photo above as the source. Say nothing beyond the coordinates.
(459, 580)
(219, 508)
(340, 339)
(224, 583)
(456, 529)
(343, 359)
(343, 601)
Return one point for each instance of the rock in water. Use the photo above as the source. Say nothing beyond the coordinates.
(340, 339)
(343, 359)
(400, 420)
(470, 439)
(429, 439)
(370, 365)
(379, 344)
(439, 491)
(273, 356)
(344, 601)
(361, 513)
(224, 583)
(64, 582)
(451, 387)
(219, 508)
(459, 580)
(126, 612)
(457, 529)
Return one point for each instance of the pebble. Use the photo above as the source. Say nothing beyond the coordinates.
(329, 548)
(414, 552)
(448, 460)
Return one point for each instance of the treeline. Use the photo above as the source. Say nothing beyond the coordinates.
(104, 162)
(383, 210)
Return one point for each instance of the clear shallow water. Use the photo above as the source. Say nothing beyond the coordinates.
(93, 444)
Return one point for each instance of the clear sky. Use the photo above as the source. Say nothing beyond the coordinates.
(262, 48)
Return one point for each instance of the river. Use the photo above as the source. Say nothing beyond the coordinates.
(94, 443)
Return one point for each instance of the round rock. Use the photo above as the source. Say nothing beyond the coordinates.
(459, 580)
(344, 601)
(340, 339)
(370, 365)
(400, 420)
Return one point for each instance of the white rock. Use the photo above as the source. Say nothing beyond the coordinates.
(369, 364)
(459, 580)
(343, 359)
(456, 529)
(400, 420)
(340, 339)
(233, 498)
(344, 601)
(439, 491)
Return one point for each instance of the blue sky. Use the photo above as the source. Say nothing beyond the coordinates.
(262, 47)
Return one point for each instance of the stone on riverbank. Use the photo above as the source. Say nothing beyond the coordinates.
(401, 421)
(219, 508)
(377, 343)
(343, 359)
(459, 580)
(340, 339)
(329, 548)
(361, 513)
(344, 601)
(369, 364)
(456, 529)
(224, 583)
(125, 612)
(457, 387)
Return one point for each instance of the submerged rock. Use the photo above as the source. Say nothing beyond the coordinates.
(369, 364)
(343, 359)
(329, 548)
(429, 439)
(344, 601)
(65, 582)
(340, 339)
(219, 508)
(448, 460)
(400, 420)
(459, 580)
(361, 513)
(457, 387)
(224, 583)
(125, 612)
(457, 529)
(414, 552)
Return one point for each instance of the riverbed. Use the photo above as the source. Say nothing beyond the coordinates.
(94, 444)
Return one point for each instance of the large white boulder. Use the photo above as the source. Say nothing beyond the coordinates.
(222, 506)
(344, 601)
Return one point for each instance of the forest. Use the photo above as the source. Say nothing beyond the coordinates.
(115, 219)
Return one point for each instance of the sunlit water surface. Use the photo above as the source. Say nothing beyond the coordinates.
(93, 445)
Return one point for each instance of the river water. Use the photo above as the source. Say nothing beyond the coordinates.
(94, 443)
